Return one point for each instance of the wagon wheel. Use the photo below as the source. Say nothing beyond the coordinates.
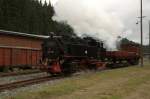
(134, 62)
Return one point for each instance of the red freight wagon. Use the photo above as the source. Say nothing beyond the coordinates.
(5, 54)
(119, 56)
(130, 48)
(20, 49)
(19, 57)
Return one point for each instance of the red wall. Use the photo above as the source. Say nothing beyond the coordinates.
(18, 50)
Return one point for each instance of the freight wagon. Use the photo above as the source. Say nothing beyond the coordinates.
(20, 50)
(15, 57)
(120, 56)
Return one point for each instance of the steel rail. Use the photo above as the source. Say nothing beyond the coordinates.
(23, 83)
(19, 73)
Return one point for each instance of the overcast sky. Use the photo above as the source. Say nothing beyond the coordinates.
(104, 19)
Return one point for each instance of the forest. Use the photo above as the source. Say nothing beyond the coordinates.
(30, 16)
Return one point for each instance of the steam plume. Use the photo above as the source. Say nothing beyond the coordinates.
(101, 19)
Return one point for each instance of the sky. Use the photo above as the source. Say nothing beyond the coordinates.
(104, 19)
(52, 1)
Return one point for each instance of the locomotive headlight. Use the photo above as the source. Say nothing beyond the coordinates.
(85, 52)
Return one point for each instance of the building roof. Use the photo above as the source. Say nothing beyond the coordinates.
(23, 34)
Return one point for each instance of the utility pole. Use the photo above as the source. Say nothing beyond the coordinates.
(149, 39)
(141, 32)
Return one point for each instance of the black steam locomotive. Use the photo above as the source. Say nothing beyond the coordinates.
(67, 55)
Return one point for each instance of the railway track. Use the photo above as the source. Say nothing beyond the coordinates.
(23, 83)
(18, 73)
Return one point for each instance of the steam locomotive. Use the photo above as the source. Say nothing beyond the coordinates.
(63, 56)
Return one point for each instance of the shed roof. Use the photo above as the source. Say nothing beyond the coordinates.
(23, 34)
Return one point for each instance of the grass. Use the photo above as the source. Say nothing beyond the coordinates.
(124, 83)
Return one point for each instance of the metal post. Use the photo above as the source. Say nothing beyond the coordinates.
(141, 33)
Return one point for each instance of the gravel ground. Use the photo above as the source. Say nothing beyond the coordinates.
(120, 83)
(8, 93)
(4, 80)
